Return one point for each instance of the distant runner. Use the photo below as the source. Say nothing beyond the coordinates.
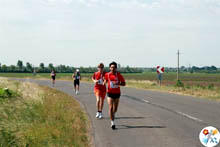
(99, 89)
(53, 76)
(115, 80)
(76, 76)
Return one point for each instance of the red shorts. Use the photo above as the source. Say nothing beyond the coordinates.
(100, 93)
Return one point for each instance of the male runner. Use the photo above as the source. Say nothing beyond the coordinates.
(114, 80)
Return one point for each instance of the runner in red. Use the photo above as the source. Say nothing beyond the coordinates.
(114, 80)
(99, 89)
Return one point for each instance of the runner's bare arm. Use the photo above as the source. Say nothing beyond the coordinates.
(122, 80)
(94, 80)
(105, 81)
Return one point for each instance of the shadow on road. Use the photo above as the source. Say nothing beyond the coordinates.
(132, 127)
(129, 117)
(125, 118)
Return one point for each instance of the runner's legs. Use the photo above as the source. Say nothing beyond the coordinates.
(101, 103)
(115, 105)
(98, 101)
(110, 103)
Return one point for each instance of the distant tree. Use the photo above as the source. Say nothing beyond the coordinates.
(213, 68)
(12, 68)
(128, 69)
(61, 68)
(42, 67)
(4, 68)
(69, 69)
(29, 67)
(51, 67)
(195, 69)
(90, 70)
(119, 66)
(20, 65)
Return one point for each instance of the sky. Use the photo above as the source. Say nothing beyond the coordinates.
(137, 33)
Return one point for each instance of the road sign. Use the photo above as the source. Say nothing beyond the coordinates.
(160, 69)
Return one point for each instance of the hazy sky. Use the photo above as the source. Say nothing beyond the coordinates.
(143, 33)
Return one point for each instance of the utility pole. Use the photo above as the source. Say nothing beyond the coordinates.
(189, 68)
(178, 54)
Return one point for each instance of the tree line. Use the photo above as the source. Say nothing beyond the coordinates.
(42, 68)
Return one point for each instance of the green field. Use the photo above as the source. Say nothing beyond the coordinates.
(196, 84)
(203, 79)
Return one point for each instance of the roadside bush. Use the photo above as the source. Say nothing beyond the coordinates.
(153, 84)
(179, 83)
(188, 86)
(200, 86)
(5, 93)
(211, 86)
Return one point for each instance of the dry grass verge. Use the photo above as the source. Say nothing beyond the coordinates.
(40, 116)
(197, 91)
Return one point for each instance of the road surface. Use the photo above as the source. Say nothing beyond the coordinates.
(146, 118)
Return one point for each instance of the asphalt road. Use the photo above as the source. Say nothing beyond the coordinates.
(146, 118)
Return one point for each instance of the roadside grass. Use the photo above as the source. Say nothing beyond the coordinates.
(40, 116)
(201, 91)
(210, 91)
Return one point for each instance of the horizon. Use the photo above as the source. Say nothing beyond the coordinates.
(123, 66)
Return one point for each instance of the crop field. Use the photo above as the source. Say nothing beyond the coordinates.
(202, 79)
(195, 84)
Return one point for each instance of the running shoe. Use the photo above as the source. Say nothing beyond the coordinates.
(112, 125)
(97, 114)
(77, 92)
(100, 115)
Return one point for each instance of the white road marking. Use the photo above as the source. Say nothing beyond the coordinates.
(189, 116)
(181, 113)
(146, 101)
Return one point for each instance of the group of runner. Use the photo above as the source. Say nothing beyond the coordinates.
(113, 79)
(76, 76)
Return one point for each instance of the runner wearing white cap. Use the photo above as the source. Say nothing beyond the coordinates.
(76, 76)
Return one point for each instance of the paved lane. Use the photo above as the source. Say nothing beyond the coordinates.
(147, 118)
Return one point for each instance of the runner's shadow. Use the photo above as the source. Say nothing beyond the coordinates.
(125, 117)
(138, 127)
(129, 117)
